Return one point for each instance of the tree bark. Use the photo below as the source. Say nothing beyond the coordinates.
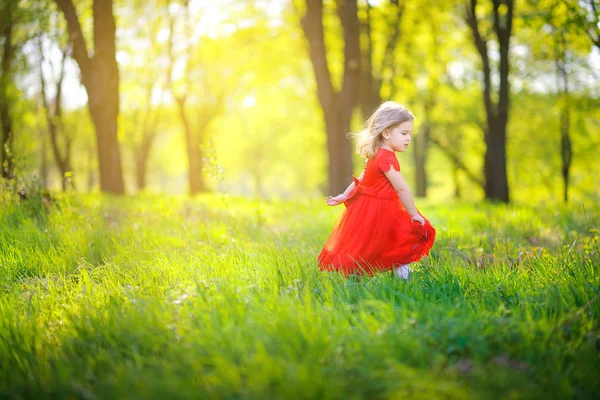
(43, 160)
(566, 147)
(55, 124)
(194, 136)
(142, 158)
(457, 188)
(337, 106)
(194, 153)
(100, 77)
(420, 146)
(144, 147)
(496, 184)
(91, 178)
(6, 157)
(496, 181)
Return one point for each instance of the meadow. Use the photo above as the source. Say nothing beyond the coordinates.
(218, 297)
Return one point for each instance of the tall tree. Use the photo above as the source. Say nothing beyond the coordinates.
(143, 146)
(100, 77)
(427, 23)
(337, 106)
(195, 131)
(141, 79)
(562, 85)
(53, 110)
(496, 181)
(7, 24)
(376, 77)
(564, 50)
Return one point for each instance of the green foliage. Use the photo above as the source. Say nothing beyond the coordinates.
(269, 141)
(220, 297)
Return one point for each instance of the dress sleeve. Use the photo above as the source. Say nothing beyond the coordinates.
(386, 161)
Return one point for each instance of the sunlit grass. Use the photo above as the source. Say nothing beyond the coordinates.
(169, 297)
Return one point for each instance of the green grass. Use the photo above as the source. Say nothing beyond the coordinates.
(170, 297)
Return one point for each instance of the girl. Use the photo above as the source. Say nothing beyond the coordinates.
(381, 228)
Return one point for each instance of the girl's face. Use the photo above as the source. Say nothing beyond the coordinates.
(399, 137)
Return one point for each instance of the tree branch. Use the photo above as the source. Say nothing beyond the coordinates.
(503, 32)
(80, 52)
(59, 82)
(312, 24)
(180, 98)
(348, 13)
(481, 46)
(50, 119)
(458, 163)
(390, 48)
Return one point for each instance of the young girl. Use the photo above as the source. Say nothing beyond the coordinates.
(381, 228)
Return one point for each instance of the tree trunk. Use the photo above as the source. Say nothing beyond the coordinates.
(339, 149)
(420, 149)
(496, 185)
(337, 106)
(43, 161)
(457, 188)
(566, 148)
(370, 87)
(193, 141)
(55, 123)
(143, 155)
(100, 76)
(104, 118)
(6, 156)
(141, 167)
(562, 80)
(196, 181)
(148, 134)
(91, 179)
(373, 79)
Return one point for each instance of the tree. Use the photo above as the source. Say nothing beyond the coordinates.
(560, 55)
(207, 108)
(427, 62)
(586, 15)
(7, 24)
(337, 106)
(562, 80)
(376, 77)
(141, 78)
(62, 154)
(100, 77)
(496, 181)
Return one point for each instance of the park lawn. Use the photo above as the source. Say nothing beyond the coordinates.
(218, 297)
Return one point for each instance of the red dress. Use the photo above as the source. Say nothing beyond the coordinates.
(375, 232)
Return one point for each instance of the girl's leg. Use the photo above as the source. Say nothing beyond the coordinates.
(403, 271)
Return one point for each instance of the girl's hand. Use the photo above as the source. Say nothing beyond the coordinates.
(334, 201)
(418, 218)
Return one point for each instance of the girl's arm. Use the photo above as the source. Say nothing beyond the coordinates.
(399, 184)
(339, 199)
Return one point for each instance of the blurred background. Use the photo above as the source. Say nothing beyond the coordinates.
(255, 98)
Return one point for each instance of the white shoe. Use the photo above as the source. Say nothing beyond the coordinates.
(403, 271)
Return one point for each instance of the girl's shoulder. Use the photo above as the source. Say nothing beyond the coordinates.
(386, 159)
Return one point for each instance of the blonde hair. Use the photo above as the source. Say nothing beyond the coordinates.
(388, 115)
